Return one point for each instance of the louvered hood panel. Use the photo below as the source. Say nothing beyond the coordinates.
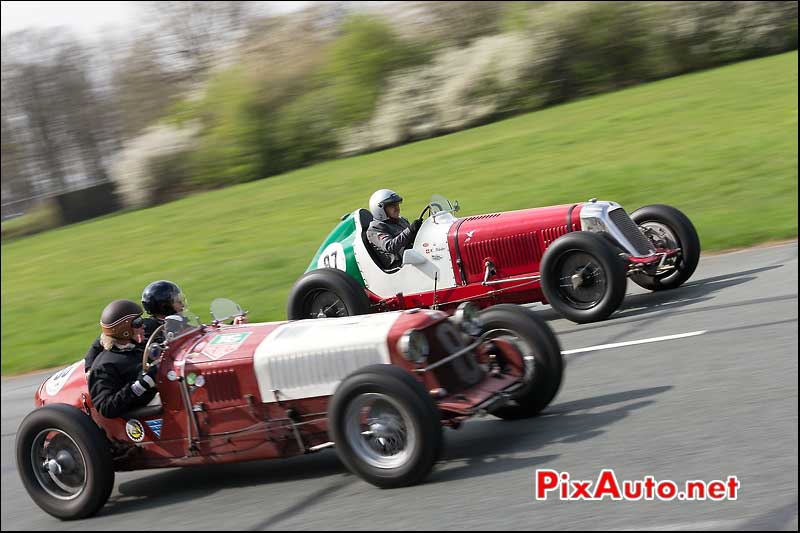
(308, 358)
(513, 240)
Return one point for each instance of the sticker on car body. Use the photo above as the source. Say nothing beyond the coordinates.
(155, 426)
(333, 257)
(223, 344)
(60, 378)
(135, 430)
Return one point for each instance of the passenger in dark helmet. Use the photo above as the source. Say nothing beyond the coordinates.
(389, 233)
(116, 382)
(160, 299)
(163, 298)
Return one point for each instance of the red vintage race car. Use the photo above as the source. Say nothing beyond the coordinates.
(576, 257)
(379, 388)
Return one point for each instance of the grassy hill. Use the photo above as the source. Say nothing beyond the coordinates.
(720, 145)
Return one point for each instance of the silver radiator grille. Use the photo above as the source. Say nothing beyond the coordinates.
(631, 231)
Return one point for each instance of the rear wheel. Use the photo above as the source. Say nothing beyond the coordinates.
(385, 426)
(326, 292)
(667, 227)
(64, 461)
(583, 278)
(544, 365)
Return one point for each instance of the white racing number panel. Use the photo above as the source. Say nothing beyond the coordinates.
(308, 358)
(57, 381)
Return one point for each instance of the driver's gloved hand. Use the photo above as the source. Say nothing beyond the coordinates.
(146, 381)
(416, 225)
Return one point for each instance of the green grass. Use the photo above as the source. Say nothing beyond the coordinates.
(42, 217)
(720, 145)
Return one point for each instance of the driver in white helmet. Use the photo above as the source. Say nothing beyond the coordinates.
(389, 233)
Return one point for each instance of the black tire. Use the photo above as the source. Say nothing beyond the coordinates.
(326, 290)
(393, 389)
(686, 238)
(539, 342)
(86, 478)
(584, 254)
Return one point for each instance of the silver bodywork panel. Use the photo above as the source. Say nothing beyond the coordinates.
(308, 358)
(601, 210)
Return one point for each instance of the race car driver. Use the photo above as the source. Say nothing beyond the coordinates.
(389, 233)
(116, 382)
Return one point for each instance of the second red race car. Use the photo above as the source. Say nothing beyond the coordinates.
(576, 257)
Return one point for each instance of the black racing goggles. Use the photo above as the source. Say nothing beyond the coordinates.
(137, 322)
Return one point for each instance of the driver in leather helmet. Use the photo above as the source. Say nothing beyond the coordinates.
(117, 383)
(389, 233)
(160, 299)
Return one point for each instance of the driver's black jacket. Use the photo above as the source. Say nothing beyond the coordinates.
(390, 238)
(113, 372)
(150, 325)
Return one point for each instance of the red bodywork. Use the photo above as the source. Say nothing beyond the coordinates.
(514, 242)
(231, 423)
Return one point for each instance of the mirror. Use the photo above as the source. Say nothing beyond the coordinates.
(412, 257)
(223, 309)
(456, 207)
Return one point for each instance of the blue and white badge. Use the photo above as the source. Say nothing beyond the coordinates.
(155, 426)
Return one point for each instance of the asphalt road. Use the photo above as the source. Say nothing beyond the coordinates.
(702, 407)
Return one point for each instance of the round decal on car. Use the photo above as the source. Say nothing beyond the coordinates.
(135, 430)
(59, 379)
(333, 257)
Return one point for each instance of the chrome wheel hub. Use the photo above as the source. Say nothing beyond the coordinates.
(380, 431)
(58, 464)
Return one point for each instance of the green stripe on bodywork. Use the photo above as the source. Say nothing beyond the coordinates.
(344, 233)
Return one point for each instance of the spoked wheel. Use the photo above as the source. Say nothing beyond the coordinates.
(380, 430)
(660, 235)
(386, 427)
(541, 351)
(583, 277)
(61, 468)
(667, 227)
(323, 304)
(582, 280)
(64, 461)
(326, 292)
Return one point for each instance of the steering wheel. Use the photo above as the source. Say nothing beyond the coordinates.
(428, 209)
(146, 355)
(437, 205)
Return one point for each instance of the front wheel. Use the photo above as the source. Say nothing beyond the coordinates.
(667, 227)
(385, 426)
(544, 365)
(583, 278)
(64, 461)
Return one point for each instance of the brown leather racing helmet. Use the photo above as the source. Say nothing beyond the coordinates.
(119, 319)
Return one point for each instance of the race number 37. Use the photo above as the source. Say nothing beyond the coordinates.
(333, 257)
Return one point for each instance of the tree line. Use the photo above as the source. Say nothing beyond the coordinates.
(208, 94)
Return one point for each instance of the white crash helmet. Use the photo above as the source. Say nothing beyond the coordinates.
(379, 199)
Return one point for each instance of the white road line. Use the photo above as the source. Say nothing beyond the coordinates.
(725, 525)
(630, 343)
